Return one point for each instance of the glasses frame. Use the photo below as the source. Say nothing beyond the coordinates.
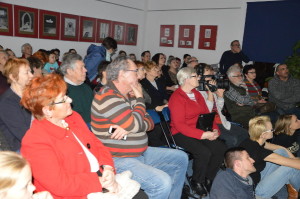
(61, 102)
(136, 70)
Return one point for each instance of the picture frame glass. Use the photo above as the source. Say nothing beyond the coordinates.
(49, 25)
(26, 22)
(4, 20)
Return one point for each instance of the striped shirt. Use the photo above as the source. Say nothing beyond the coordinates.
(253, 90)
(110, 107)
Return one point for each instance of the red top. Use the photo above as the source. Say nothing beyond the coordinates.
(185, 113)
(58, 162)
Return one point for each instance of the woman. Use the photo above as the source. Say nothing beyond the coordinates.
(275, 165)
(36, 66)
(100, 80)
(15, 178)
(286, 133)
(186, 104)
(170, 75)
(10, 53)
(15, 120)
(154, 87)
(141, 74)
(66, 158)
(253, 87)
(232, 134)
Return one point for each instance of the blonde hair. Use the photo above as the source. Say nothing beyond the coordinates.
(11, 166)
(257, 126)
(283, 124)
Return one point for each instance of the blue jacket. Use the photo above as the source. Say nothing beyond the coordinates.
(95, 55)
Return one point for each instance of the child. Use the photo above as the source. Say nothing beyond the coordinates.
(51, 65)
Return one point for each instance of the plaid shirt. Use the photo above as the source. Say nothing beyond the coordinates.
(234, 95)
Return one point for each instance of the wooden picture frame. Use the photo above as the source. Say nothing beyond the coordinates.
(104, 29)
(186, 36)
(6, 19)
(166, 38)
(208, 37)
(69, 29)
(26, 21)
(131, 34)
(87, 29)
(49, 24)
(118, 32)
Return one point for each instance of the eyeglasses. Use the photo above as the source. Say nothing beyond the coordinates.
(136, 70)
(236, 45)
(238, 76)
(269, 131)
(61, 102)
(252, 72)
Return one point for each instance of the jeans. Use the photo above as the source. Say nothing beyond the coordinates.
(160, 171)
(274, 177)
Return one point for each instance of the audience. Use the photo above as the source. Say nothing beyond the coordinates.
(146, 56)
(186, 58)
(3, 80)
(26, 50)
(192, 62)
(234, 182)
(10, 53)
(51, 66)
(120, 105)
(275, 165)
(232, 56)
(15, 120)
(56, 51)
(16, 178)
(72, 51)
(101, 79)
(36, 66)
(132, 57)
(122, 53)
(186, 104)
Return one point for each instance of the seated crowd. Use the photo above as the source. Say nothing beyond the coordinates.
(83, 129)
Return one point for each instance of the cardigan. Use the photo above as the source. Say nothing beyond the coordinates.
(59, 164)
(185, 112)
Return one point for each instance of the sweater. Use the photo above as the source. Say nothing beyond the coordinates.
(110, 107)
(185, 112)
(230, 58)
(253, 90)
(58, 162)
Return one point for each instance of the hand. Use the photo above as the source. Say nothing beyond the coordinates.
(42, 195)
(220, 92)
(262, 101)
(108, 181)
(119, 133)
(210, 135)
(137, 90)
(160, 108)
(240, 104)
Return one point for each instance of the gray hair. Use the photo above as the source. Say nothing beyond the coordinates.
(24, 45)
(69, 62)
(184, 74)
(233, 69)
(118, 64)
(170, 60)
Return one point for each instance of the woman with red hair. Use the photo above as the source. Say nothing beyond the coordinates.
(66, 158)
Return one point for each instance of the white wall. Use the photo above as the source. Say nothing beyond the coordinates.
(90, 8)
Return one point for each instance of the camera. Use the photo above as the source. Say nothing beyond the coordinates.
(221, 80)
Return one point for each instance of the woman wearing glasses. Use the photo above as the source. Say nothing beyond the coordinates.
(275, 165)
(66, 158)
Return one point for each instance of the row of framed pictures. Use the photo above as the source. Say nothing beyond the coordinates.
(35, 23)
(207, 36)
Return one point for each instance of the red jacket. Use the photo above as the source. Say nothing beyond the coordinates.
(59, 164)
(185, 112)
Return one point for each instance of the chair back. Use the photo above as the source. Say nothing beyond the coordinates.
(154, 115)
(166, 114)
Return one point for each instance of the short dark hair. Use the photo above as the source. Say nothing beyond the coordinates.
(247, 68)
(122, 51)
(56, 49)
(110, 43)
(234, 41)
(34, 62)
(143, 53)
(231, 155)
(155, 58)
(186, 55)
(102, 67)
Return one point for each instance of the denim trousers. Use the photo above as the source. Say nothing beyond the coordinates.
(160, 171)
(275, 176)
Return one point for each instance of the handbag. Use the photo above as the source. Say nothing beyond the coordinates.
(205, 121)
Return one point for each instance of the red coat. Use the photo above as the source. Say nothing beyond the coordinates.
(59, 164)
(185, 112)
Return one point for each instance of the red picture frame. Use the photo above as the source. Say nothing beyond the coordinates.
(26, 21)
(186, 36)
(167, 35)
(6, 19)
(49, 24)
(69, 29)
(118, 31)
(131, 34)
(104, 29)
(87, 29)
(208, 37)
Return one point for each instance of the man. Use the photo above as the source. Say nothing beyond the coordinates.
(97, 54)
(237, 100)
(120, 104)
(233, 56)
(234, 181)
(26, 50)
(284, 91)
(192, 62)
(186, 58)
(146, 56)
(81, 94)
(3, 80)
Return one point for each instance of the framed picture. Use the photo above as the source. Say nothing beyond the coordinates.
(49, 24)
(69, 27)
(167, 35)
(186, 36)
(103, 30)
(208, 37)
(87, 29)
(118, 32)
(26, 21)
(6, 20)
(131, 34)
